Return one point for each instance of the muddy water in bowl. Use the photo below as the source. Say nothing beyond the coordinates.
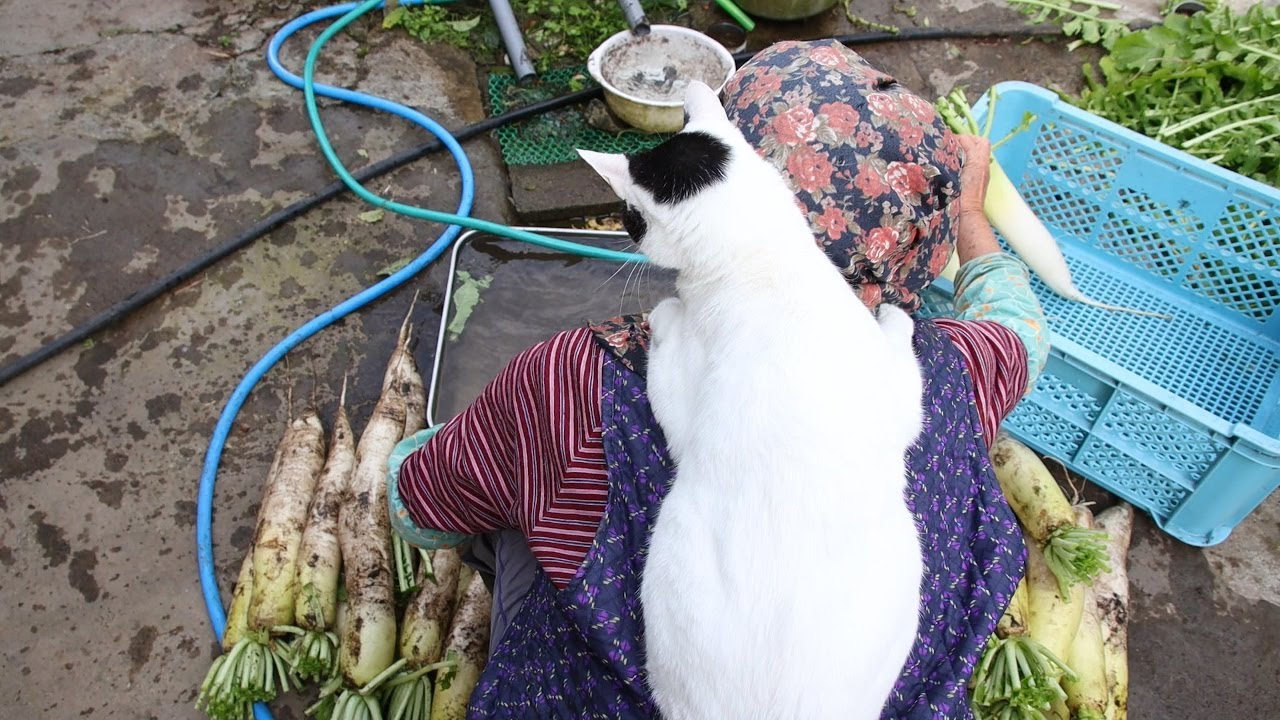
(653, 84)
(645, 77)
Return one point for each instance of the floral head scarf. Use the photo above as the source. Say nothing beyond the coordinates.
(873, 166)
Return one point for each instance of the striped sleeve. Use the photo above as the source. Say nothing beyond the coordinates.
(526, 454)
(997, 287)
(997, 361)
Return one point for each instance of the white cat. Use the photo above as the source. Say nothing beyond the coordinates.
(783, 576)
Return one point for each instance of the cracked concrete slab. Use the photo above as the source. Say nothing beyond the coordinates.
(135, 136)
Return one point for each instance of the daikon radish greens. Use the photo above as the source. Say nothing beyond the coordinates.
(1010, 214)
(1017, 676)
(1072, 553)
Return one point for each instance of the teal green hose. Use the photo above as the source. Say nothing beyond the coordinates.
(409, 210)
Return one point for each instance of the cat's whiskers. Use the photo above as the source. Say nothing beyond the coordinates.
(614, 275)
(622, 299)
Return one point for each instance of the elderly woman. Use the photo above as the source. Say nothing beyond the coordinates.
(561, 467)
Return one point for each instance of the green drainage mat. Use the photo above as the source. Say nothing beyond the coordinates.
(553, 137)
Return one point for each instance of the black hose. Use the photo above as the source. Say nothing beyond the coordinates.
(917, 34)
(127, 306)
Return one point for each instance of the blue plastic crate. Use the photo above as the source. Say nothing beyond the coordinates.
(1179, 417)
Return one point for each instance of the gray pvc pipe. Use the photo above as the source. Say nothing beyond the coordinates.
(634, 14)
(512, 39)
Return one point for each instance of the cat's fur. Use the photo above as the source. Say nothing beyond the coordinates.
(784, 570)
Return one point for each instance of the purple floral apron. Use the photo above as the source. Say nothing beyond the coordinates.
(579, 652)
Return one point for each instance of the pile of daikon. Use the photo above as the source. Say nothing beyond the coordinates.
(1060, 651)
(327, 595)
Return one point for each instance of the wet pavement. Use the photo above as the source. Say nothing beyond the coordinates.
(136, 136)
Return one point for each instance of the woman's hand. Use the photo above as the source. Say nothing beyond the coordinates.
(974, 236)
(975, 173)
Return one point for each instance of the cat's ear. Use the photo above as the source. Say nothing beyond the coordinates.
(701, 103)
(610, 166)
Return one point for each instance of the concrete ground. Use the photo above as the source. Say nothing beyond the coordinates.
(136, 136)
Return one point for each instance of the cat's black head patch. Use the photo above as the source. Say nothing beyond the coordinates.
(633, 222)
(678, 168)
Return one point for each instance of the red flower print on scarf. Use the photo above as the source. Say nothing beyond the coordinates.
(920, 108)
(619, 339)
(879, 242)
(911, 135)
(869, 182)
(759, 88)
(795, 126)
(833, 221)
(884, 106)
(906, 178)
(840, 117)
(810, 171)
(866, 136)
(828, 56)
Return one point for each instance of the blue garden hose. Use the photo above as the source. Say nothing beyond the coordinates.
(455, 221)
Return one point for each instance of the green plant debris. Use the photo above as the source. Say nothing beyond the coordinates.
(557, 33)
(909, 10)
(470, 26)
(1083, 19)
(857, 19)
(465, 298)
(1207, 84)
(393, 268)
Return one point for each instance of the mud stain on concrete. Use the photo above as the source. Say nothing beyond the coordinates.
(140, 649)
(161, 405)
(184, 514)
(110, 493)
(52, 539)
(115, 462)
(80, 574)
(91, 365)
(40, 443)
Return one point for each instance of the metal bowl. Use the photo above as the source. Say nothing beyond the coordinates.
(644, 77)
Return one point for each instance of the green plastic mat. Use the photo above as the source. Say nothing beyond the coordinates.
(553, 137)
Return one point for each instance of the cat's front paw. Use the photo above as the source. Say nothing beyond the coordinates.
(896, 325)
(665, 320)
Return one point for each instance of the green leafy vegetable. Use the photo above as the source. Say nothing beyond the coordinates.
(1078, 18)
(1207, 84)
